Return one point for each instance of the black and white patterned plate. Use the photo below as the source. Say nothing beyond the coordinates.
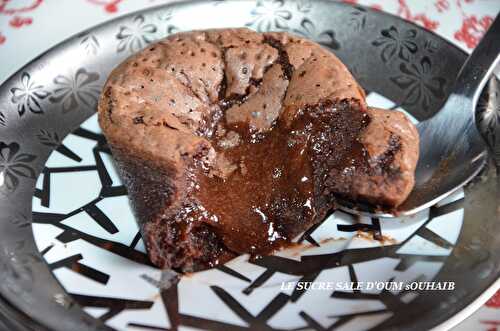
(72, 258)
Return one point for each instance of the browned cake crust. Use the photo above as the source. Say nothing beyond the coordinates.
(230, 141)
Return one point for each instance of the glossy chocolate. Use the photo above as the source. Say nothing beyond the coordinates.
(231, 141)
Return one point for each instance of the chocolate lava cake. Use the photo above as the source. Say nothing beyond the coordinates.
(231, 141)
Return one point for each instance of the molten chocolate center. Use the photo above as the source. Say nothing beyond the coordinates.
(276, 178)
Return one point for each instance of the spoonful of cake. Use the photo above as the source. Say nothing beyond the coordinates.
(452, 151)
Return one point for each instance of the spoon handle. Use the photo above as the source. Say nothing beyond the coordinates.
(487, 113)
(473, 78)
(479, 66)
(452, 131)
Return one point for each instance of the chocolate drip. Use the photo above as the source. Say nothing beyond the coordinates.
(283, 58)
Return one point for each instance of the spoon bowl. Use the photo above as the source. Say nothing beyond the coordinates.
(452, 150)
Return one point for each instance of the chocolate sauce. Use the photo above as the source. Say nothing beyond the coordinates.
(278, 177)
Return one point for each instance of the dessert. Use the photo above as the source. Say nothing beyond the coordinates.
(231, 141)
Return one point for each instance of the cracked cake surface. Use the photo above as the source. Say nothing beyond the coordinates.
(231, 141)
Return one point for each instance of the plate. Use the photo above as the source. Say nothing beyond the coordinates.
(72, 257)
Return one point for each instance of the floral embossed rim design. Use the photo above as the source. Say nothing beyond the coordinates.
(396, 43)
(28, 95)
(418, 83)
(79, 89)
(14, 165)
(136, 35)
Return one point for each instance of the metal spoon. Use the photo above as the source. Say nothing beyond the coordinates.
(452, 150)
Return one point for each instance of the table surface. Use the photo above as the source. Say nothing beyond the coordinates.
(30, 27)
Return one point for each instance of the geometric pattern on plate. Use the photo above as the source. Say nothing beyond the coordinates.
(86, 232)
